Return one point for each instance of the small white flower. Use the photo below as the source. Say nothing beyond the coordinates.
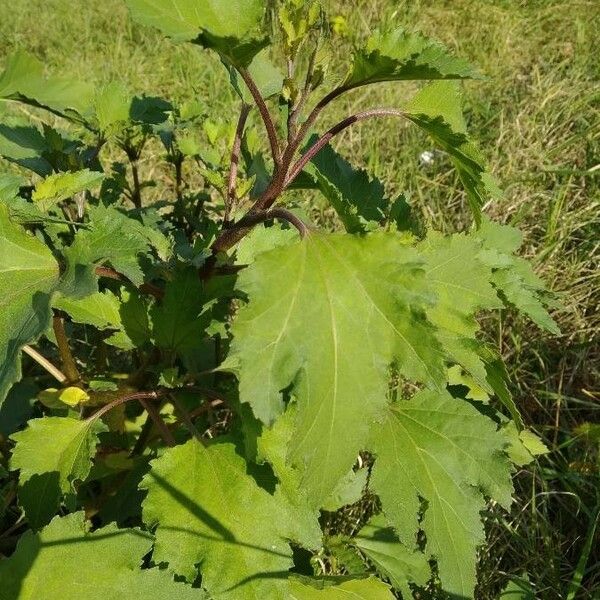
(427, 158)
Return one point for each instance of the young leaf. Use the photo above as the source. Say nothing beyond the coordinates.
(65, 561)
(399, 55)
(329, 315)
(23, 80)
(444, 451)
(437, 110)
(112, 237)
(357, 589)
(208, 511)
(52, 453)
(401, 565)
(61, 186)
(28, 276)
(104, 310)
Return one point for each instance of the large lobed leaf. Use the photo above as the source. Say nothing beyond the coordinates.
(28, 276)
(224, 25)
(329, 315)
(65, 561)
(442, 450)
(210, 512)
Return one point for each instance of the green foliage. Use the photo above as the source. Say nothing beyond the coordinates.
(28, 274)
(398, 55)
(230, 377)
(51, 454)
(65, 561)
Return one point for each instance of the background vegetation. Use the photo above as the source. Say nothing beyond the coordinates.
(536, 116)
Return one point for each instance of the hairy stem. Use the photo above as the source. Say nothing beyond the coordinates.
(68, 362)
(154, 413)
(235, 160)
(265, 114)
(147, 288)
(326, 137)
(45, 363)
(185, 417)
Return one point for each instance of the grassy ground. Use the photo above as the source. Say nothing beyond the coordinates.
(536, 117)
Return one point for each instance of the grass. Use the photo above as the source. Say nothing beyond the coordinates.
(536, 116)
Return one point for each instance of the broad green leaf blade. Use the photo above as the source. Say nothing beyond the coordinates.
(392, 559)
(60, 186)
(444, 451)
(66, 562)
(329, 315)
(224, 25)
(358, 589)
(185, 19)
(359, 201)
(23, 80)
(209, 512)
(28, 275)
(50, 454)
(399, 55)
(437, 110)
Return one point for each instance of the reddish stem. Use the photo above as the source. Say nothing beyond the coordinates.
(235, 159)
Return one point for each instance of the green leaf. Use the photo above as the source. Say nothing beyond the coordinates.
(261, 239)
(349, 490)
(401, 565)
(112, 105)
(328, 316)
(24, 145)
(359, 200)
(208, 511)
(65, 561)
(17, 407)
(358, 589)
(28, 276)
(437, 110)
(514, 276)
(179, 322)
(113, 238)
(267, 77)
(100, 309)
(399, 55)
(223, 25)
(104, 311)
(447, 271)
(60, 186)
(444, 451)
(10, 185)
(51, 454)
(523, 446)
(23, 80)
